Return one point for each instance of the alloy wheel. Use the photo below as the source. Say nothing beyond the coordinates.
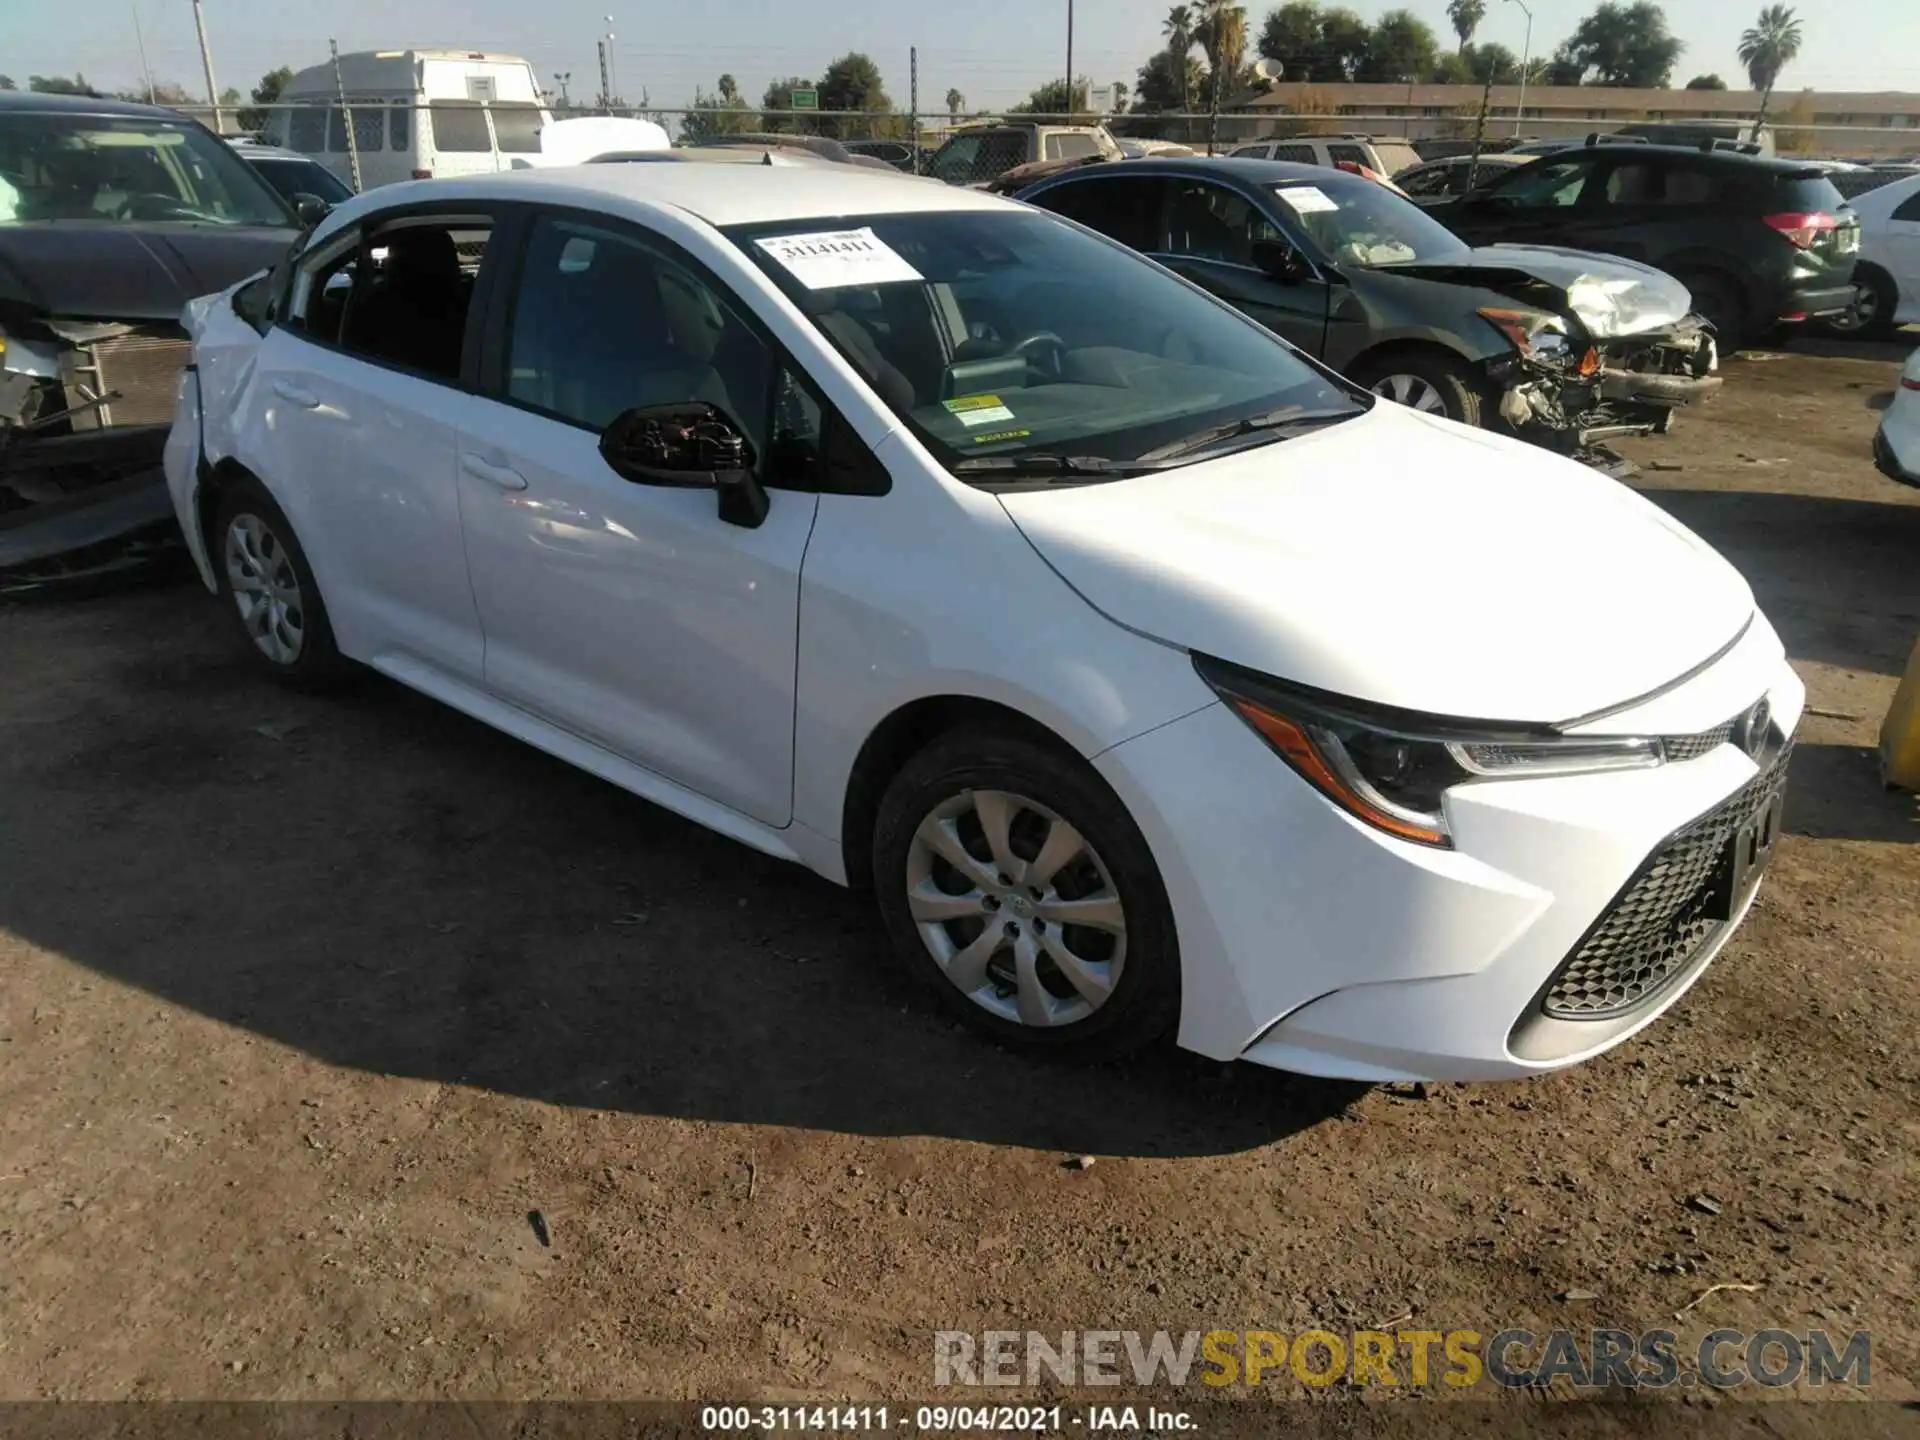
(1411, 391)
(266, 589)
(1016, 907)
(1863, 308)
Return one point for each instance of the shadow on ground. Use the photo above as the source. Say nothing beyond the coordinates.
(386, 885)
(1839, 579)
(1835, 793)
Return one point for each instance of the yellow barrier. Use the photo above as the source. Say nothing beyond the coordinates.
(1900, 736)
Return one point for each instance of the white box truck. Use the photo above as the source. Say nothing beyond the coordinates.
(415, 114)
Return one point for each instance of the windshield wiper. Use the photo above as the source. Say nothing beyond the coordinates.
(1287, 417)
(1046, 464)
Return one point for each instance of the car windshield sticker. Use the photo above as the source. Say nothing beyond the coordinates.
(972, 410)
(1305, 199)
(1001, 435)
(830, 259)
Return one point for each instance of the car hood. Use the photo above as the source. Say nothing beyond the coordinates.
(84, 270)
(1405, 560)
(1610, 297)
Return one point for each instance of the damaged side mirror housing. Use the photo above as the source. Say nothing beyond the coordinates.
(690, 445)
(1280, 261)
(311, 209)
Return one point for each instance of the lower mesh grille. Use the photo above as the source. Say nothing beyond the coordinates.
(1660, 921)
(145, 369)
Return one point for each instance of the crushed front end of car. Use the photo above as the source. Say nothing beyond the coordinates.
(1601, 357)
(84, 410)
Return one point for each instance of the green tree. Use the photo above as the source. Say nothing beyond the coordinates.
(6, 83)
(776, 107)
(1621, 44)
(1052, 99)
(1160, 87)
(1465, 17)
(1767, 49)
(1496, 60)
(853, 83)
(60, 85)
(711, 116)
(1290, 37)
(956, 102)
(1178, 30)
(1344, 41)
(1222, 33)
(1402, 47)
(1706, 82)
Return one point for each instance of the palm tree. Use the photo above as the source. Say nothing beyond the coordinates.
(1178, 28)
(1766, 50)
(956, 102)
(1222, 33)
(1466, 16)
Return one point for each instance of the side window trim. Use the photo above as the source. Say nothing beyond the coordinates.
(492, 346)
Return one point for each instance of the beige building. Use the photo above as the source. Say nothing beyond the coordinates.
(1884, 123)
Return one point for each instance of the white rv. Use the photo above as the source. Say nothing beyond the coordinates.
(416, 114)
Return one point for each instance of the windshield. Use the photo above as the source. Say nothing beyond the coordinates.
(127, 168)
(1006, 333)
(1369, 226)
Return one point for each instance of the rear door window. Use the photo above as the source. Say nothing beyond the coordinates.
(1126, 209)
(1070, 147)
(1909, 208)
(516, 124)
(307, 131)
(460, 126)
(1348, 154)
(1553, 185)
(399, 120)
(1297, 154)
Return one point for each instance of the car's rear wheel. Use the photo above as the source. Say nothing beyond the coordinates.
(1869, 314)
(1013, 881)
(1430, 382)
(264, 578)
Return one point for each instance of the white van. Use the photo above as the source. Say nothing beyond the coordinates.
(416, 114)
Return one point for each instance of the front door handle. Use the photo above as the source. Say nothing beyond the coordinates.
(505, 476)
(295, 395)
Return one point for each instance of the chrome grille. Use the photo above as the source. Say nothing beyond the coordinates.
(145, 369)
(1692, 747)
(1660, 921)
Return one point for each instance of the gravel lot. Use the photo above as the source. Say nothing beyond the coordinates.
(305, 1005)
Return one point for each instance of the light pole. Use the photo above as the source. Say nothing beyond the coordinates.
(613, 78)
(1069, 62)
(563, 76)
(206, 63)
(1526, 58)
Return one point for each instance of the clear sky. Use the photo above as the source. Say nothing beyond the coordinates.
(993, 51)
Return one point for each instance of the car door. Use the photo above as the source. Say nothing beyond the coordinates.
(632, 615)
(1634, 202)
(1901, 242)
(363, 397)
(1539, 204)
(1209, 236)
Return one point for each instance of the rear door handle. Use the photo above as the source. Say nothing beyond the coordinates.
(294, 395)
(505, 476)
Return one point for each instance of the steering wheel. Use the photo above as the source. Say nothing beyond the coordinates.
(1042, 339)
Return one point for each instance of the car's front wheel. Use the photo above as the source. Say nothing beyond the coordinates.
(1013, 881)
(264, 578)
(1433, 383)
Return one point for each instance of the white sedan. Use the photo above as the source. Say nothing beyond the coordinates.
(1896, 445)
(1886, 278)
(1154, 678)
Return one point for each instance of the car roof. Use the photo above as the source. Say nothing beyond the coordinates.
(1696, 153)
(720, 194)
(254, 150)
(34, 102)
(1219, 167)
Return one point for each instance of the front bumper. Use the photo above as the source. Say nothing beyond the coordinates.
(1313, 943)
(1640, 380)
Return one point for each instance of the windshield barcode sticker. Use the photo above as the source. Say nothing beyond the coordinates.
(832, 259)
(972, 410)
(1305, 199)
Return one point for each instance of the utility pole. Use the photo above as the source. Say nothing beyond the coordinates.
(206, 62)
(141, 41)
(613, 78)
(913, 101)
(606, 87)
(1069, 60)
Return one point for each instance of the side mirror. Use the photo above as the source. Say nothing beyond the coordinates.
(691, 445)
(1280, 261)
(310, 208)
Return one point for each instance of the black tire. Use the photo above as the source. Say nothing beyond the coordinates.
(1875, 287)
(1718, 298)
(317, 663)
(1461, 391)
(1144, 1002)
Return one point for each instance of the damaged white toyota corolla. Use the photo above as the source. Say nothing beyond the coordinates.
(1150, 674)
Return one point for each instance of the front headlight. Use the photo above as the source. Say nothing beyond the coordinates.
(1534, 333)
(1393, 768)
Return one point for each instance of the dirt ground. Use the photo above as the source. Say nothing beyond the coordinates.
(307, 1005)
